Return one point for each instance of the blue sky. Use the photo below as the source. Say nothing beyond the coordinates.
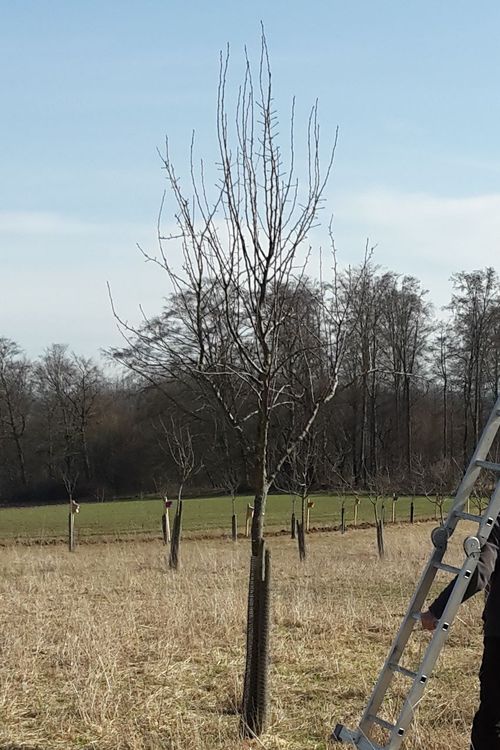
(90, 89)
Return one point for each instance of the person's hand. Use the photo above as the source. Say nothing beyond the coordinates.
(428, 620)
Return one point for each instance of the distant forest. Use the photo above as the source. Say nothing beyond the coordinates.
(414, 388)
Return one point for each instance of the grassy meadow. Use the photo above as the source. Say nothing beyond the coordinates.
(106, 649)
(211, 515)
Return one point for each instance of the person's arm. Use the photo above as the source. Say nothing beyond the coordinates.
(478, 582)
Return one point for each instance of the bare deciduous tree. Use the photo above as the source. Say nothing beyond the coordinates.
(475, 309)
(68, 388)
(234, 324)
(297, 477)
(15, 401)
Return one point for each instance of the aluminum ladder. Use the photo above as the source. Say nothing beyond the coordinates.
(361, 737)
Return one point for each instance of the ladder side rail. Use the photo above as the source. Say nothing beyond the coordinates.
(432, 652)
(489, 516)
(401, 639)
(473, 470)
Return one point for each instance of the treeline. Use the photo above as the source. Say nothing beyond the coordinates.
(414, 388)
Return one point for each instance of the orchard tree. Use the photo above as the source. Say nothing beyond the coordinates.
(234, 325)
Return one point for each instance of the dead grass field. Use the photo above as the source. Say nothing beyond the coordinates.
(108, 650)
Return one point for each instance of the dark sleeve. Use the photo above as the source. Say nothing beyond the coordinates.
(481, 576)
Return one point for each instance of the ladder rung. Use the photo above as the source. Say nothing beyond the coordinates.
(447, 568)
(470, 517)
(365, 744)
(488, 465)
(382, 722)
(342, 734)
(403, 670)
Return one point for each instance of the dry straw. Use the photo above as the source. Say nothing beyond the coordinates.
(108, 649)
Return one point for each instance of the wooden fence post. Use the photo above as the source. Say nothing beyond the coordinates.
(71, 532)
(249, 518)
(310, 504)
(356, 506)
(394, 500)
(165, 521)
(74, 508)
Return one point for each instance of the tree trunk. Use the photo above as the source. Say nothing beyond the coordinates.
(261, 487)
(20, 459)
(445, 419)
(408, 441)
(364, 431)
(85, 454)
(255, 691)
(16, 436)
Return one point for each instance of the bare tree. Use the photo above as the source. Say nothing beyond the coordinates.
(69, 476)
(407, 327)
(177, 443)
(234, 325)
(442, 354)
(68, 388)
(15, 401)
(436, 482)
(361, 367)
(378, 491)
(297, 477)
(475, 309)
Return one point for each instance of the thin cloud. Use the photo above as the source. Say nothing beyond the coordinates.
(53, 224)
(40, 223)
(457, 229)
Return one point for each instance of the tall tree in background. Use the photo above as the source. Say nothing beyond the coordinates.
(406, 321)
(68, 389)
(362, 369)
(61, 409)
(441, 356)
(15, 402)
(474, 309)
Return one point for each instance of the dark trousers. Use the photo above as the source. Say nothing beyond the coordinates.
(486, 724)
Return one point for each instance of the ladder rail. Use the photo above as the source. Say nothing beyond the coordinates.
(401, 639)
(474, 468)
(432, 652)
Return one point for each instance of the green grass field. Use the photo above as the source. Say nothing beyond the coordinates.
(210, 515)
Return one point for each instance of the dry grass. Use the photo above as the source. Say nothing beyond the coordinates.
(106, 649)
